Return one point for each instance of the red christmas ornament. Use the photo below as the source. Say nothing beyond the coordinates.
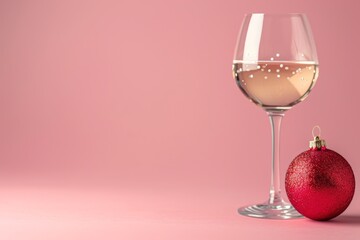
(319, 182)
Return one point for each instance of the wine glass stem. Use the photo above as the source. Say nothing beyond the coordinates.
(275, 189)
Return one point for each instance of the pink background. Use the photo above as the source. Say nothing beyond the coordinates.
(121, 120)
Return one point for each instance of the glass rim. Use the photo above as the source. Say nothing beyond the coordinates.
(275, 14)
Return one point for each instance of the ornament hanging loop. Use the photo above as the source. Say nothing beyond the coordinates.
(317, 127)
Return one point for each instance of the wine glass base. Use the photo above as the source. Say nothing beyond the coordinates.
(270, 211)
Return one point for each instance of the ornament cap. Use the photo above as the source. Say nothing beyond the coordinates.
(317, 143)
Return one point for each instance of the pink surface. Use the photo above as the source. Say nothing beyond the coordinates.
(102, 214)
(122, 118)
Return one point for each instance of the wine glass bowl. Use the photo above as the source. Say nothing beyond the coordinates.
(275, 65)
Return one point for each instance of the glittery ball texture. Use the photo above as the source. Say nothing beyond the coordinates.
(320, 184)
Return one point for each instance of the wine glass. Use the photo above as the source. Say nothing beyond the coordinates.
(275, 65)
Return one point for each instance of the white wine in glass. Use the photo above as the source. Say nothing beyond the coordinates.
(278, 84)
(275, 66)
